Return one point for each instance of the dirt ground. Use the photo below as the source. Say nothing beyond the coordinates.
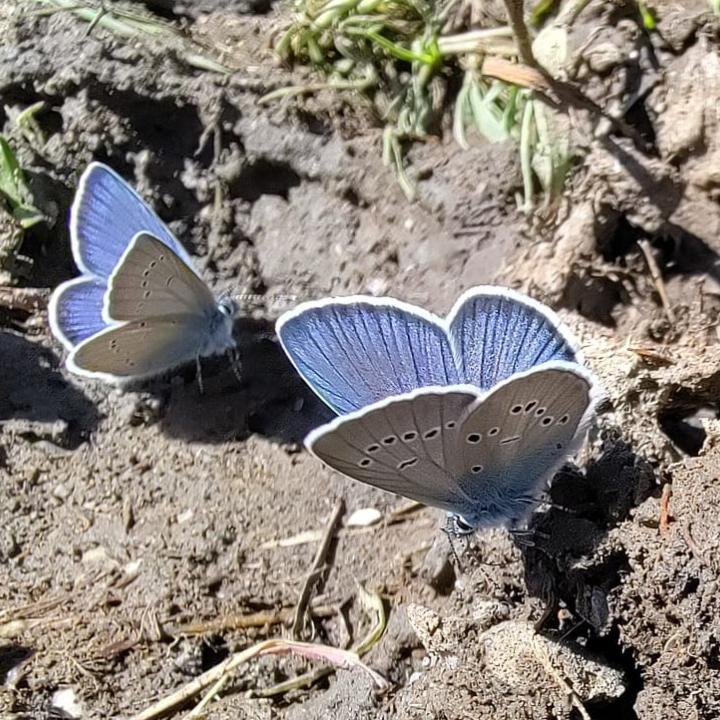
(127, 517)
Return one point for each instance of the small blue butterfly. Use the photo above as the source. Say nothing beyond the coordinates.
(472, 413)
(139, 307)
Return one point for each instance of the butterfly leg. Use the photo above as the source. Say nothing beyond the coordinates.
(198, 374)
(450, 532)
(234, 357)
(550, 609)
(526, 537)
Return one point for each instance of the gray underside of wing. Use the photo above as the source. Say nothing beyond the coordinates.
(401, 445)
(143, 348)
(152, 281)
(511, 440)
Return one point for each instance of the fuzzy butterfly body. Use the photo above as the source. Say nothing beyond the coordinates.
(472, 413)
(139, 307)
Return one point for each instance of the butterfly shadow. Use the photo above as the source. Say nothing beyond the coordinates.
(36, 401)
(561, 562)
(257, 392)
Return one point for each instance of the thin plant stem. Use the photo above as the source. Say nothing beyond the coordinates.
(515, 10)
(526, 147)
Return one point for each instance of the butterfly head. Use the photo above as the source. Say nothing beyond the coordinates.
(226, 306)
(221, 327)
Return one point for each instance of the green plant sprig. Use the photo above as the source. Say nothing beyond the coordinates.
(14, 189)
(126, 24)
(395, 52)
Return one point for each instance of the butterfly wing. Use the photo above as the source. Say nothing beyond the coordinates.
(356, 351)
(513, 439)
(496, 332)
(152, 281)
(401, 444)
(75, 310)
(106, 214)
(140, 348)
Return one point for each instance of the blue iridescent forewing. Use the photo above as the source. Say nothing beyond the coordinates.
(75, 310)
(106, 214)
(356, 351)
(495, 333)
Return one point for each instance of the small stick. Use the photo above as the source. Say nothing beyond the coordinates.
(242, 622)
(29, 300)
(690, 540)
(555, 93)
(665, 509)
(656, 276)
(334, 656)
(543, 657)
(316, 570)
(199, 710)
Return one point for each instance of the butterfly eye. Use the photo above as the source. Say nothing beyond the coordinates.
(516, 410)
(409, 436)
(462, 527)
(430, 434)
(547, 420)
(564, 419)
(389, 440)
(474, 438)
(476, 469)
(226, 307)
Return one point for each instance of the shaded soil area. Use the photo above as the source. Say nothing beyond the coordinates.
(127, 519)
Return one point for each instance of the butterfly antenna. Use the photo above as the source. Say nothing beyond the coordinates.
(449, 531)
(575, 627)
(198, 375)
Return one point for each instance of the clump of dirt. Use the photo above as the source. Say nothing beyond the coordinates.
(673, 576)
(147, 535)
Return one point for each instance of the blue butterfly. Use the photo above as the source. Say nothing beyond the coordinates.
(472, 413)
(139, 307)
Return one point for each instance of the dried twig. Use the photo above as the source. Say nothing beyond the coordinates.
(242, 622)
(690, 540)
(372, 604)
(543, 658)
(557, 94)
(665, 516)
(29, 300)
(311, 651)
(515, 11)
(316, 570)
(656, 276)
